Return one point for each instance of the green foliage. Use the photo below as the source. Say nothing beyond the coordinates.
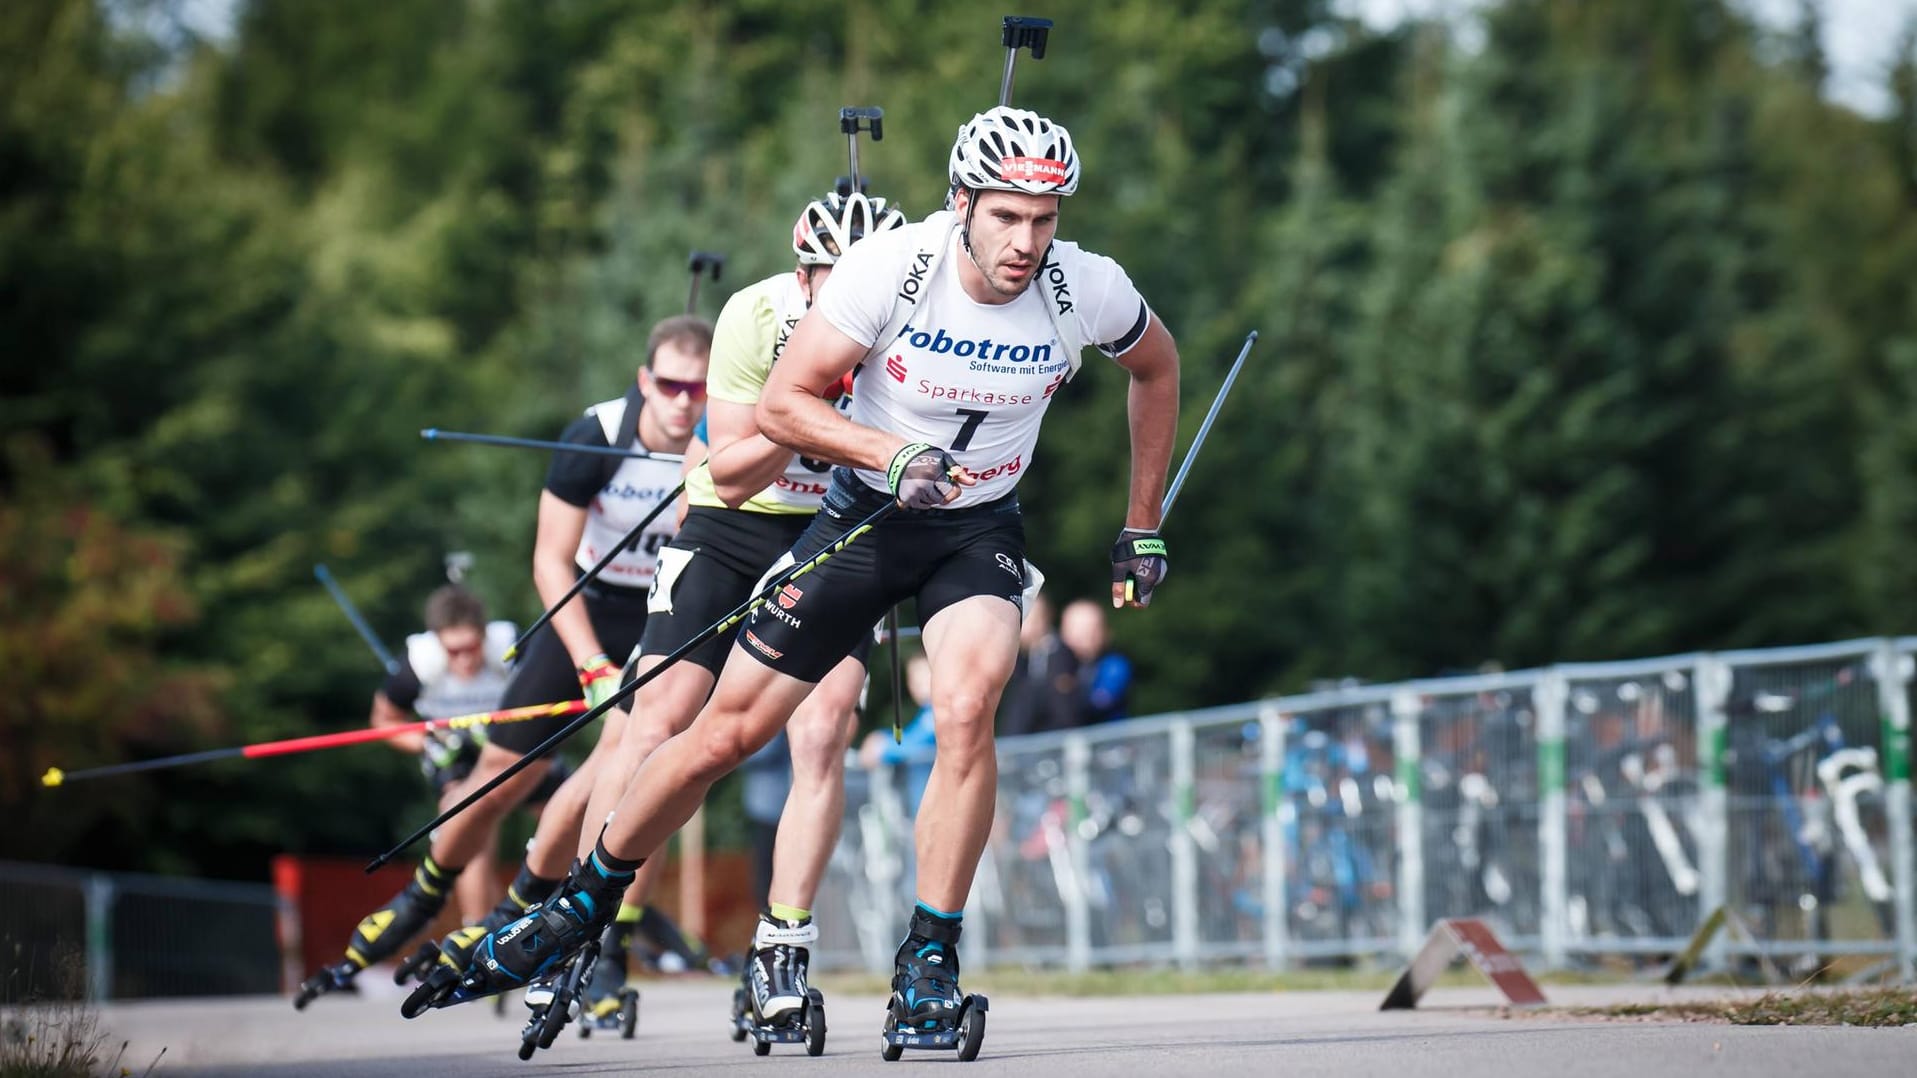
(1586, 335)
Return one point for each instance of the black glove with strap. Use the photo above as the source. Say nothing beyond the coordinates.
(921, 476)
(1139, 564)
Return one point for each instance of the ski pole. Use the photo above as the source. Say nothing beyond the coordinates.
(701, 263)
(723, 625)
(353, 615)
(1205, 427)
(898, 680)
(57, 777)
(630, 540)
(1020, 32)
(434, 434)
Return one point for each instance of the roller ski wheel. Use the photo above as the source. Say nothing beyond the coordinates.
(814, 1023)
(334, 978)
(418, 965)
(966, 1036)
(741, 1023)
(622, 1014)
(551, 1013)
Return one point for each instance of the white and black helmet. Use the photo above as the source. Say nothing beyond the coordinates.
(831, 224)
(1008, 149)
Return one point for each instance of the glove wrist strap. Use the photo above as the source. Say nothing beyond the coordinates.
(896, 470)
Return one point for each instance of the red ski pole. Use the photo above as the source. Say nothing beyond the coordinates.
(57, 777)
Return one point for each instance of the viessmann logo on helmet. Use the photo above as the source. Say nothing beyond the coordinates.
(1032, 169)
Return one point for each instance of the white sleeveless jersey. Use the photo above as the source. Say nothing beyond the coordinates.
(972, 378)
(443, 694)
(633, 491)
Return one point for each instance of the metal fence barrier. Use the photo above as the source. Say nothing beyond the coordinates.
(114, 935)
(1582, 810)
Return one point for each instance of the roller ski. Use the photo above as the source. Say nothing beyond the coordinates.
(775, 1005)
(531, 949)
(383, 932)
(927, 1010)
(610, 1003)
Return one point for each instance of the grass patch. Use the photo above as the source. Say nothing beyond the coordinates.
(1859, 1007)
(56, 1033)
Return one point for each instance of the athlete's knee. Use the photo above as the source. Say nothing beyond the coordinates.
(817, 737)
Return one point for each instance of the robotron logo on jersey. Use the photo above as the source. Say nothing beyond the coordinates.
(985, 355)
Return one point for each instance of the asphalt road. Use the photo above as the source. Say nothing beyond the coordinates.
(1319, 1034)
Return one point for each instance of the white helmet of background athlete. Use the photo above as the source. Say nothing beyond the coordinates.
(831, 224)
(1008, 149)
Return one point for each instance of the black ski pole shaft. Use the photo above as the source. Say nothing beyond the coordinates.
(434, 434)
(723, 625)
(1204, 428)
(1020, 32)
(353, 615)
(898, 679)
(629, 540)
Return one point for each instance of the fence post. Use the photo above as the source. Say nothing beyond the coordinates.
(1078, 921)
(1406, 706)
(1271, 775)
(1184, 850)
(1712, 687)
(1893, 695)
(1549, 698)
(99, 907)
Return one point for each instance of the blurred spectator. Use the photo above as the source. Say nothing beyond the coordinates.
(917, 743)
(1039, 696)
(764, 781)
(1104, 677)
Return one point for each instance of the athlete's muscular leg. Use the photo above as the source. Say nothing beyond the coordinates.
(972, 645)
(460, 839)
(750, 704)
(661, 708)
(820, 731)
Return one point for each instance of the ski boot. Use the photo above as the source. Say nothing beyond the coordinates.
(775, 1005)
(383, 931)
(456, 949)
(529, 948)
(611, 1003)
(927, 1010)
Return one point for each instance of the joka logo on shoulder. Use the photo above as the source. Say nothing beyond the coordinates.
(1032, 169)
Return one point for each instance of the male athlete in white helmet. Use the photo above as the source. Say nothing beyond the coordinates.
(750, 502)
(956, 357)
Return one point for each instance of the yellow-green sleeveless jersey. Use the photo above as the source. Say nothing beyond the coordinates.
(746, 341)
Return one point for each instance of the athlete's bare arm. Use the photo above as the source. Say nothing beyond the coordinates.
(793, 413)
(1153, 408)
(554, 544)
(744, 461)
(386, 715)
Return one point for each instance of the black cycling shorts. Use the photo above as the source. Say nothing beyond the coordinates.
(715, 563)
(545, 674)
(939, 556)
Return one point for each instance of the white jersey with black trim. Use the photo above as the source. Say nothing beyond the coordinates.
(970, 377)
(634, 490)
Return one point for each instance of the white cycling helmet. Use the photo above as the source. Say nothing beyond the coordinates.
(831, 224)
(1008, 149)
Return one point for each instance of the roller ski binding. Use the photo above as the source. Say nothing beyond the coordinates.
(611, 1004)
(927, 1010)
(775, 1005)
(531, 948)
(382, 932)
